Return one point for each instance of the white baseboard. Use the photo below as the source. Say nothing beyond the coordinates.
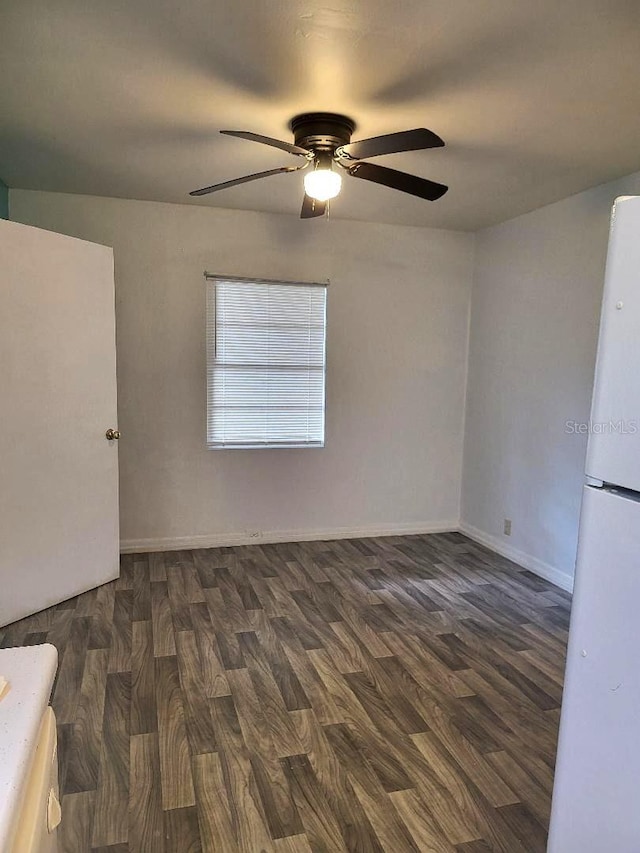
(533, 564)
(220, 540)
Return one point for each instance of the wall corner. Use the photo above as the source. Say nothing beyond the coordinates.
(4, 200)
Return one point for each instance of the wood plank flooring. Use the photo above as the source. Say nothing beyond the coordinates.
(393, 694)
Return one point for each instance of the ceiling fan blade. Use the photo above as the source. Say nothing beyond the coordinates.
(411, 184)
(312, 207)
(391, 143)
(267, 140)
(226, 184)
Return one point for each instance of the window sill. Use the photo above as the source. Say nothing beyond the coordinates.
(274, 446)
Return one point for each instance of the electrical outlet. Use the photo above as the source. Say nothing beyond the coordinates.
(507, 527)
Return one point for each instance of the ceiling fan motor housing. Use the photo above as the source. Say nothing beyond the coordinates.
(322, 131)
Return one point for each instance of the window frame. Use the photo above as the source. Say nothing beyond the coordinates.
(211, 281)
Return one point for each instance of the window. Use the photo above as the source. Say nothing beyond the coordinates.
(265, 363)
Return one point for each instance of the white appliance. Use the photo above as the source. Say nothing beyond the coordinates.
(29, 800)
(596, 798)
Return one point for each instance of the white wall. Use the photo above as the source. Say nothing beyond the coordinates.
(398, 315)
(535, 312)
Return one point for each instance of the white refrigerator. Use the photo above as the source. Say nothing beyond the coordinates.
(596, 797)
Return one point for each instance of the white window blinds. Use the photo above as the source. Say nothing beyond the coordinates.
(265, 363)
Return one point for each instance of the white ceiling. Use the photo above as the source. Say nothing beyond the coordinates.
(536, 99)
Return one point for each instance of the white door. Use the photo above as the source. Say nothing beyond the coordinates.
(595, 797)
(58, 472)
(614, 444)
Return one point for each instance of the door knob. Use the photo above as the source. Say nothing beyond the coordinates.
(112, 434)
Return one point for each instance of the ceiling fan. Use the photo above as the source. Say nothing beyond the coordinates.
(324, 140)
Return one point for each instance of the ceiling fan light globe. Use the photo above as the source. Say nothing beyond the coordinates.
(322, 184)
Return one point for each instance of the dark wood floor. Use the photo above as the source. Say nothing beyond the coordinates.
(395, 694)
